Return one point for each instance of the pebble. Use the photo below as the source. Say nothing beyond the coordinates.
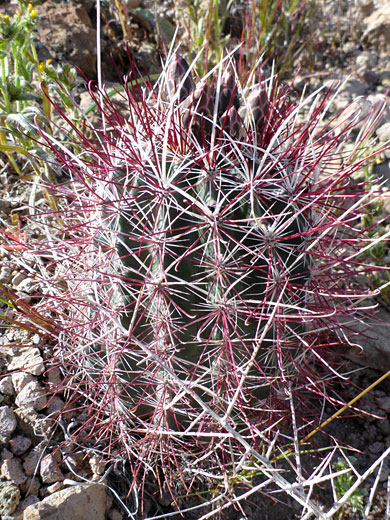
(20, 444)
(383, 133)
(32, 395)
(28, 420)
(31, 486)
(28, 501)
(50, 471)
(75, 503)
(20, 380)
(54, 405)
(11, 469)
(6, 386)
(384, 403)
(5, 274)
(8, 423)
(376, 447)
(114, 514)
(367, 60)
(31, 462)
(29, 360)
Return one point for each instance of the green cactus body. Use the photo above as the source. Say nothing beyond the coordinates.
(193, 242)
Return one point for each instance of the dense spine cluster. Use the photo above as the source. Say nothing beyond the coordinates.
(211, 236)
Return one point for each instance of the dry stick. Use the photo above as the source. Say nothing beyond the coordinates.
(339, 412)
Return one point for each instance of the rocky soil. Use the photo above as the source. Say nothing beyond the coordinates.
(40, 475)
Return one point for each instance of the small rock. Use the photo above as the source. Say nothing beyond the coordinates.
(366, 6)
(54, 405)
(348, 92)
(49, 490)
(114, 514)
(383, 133)
(97, 465)
(6, 386)
(385, 472)
(32, 395)
(376, 448)
(9, 498)
(5, 274)
(20, 444)
(7, 423)
(31, 462)
(54, 378)
(375, 351)
(76, 503)
(28, 501)
(20, 380)
(366, 60)
(50, 471)
(384, 403)
(29, 360)
(57, 486)
(377, 32)
(31, 486)
(370, 77)
(11, 469)
(28, 420)
(17, 278)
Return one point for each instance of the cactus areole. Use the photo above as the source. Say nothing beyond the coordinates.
(211, 258)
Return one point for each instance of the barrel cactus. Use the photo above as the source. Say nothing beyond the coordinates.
(204, 261)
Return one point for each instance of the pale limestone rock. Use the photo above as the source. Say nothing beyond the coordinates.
(31, 462)
(32, 395)
(20, 444)
(6, 386)
(29, 360)
(30, 422)
(28, 501)
(20, 380)
(7, 423)
(50, 471)
(87, 502)
(57, 486)
(383, 132)
(31, 486)
(12, 470)
(97, 465)
(377, 32)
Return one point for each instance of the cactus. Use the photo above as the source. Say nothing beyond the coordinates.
(211, 264)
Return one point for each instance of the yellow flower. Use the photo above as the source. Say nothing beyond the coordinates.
(41, 66)
(6, 18)
(34, 13)
(30, 7)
